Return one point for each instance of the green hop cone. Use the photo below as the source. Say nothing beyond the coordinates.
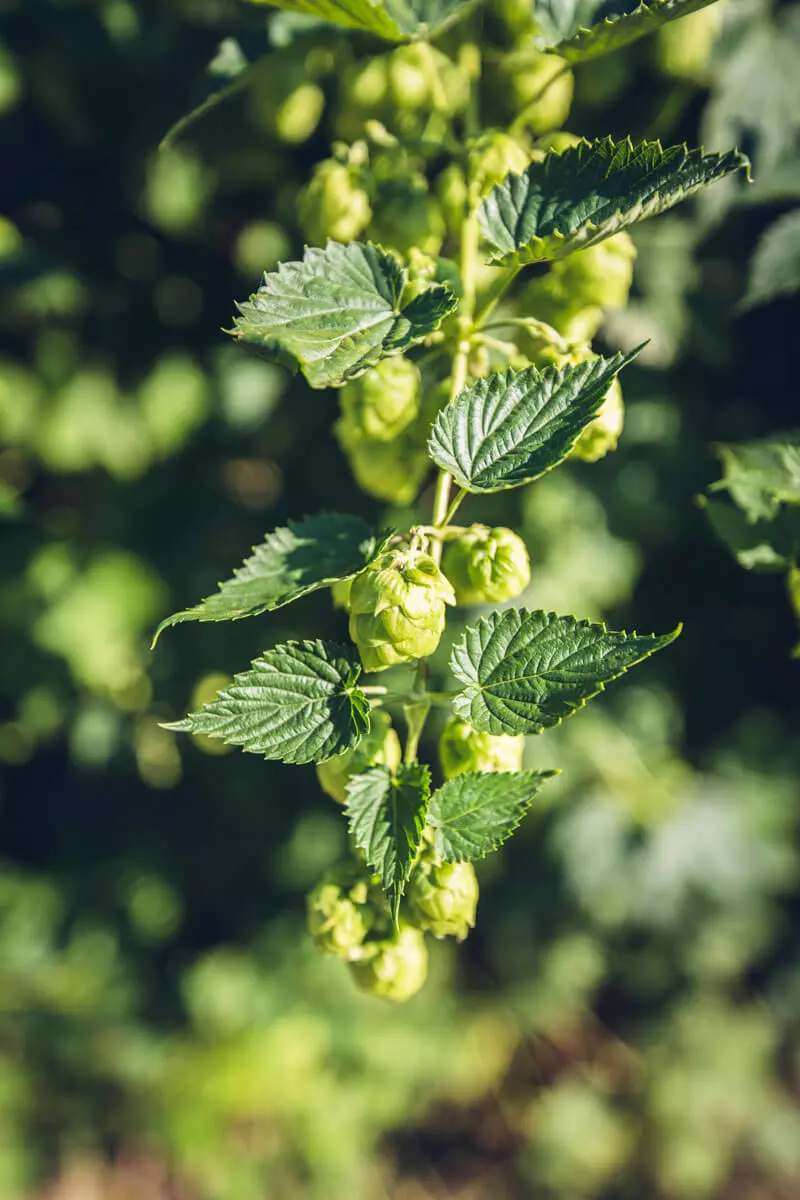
(408, 218)
(442, 898)
(603, 433)
(463, 749)
(380, 745)
(490, 158)
(332, 205)
(380, 404)
(684, 48)
(576, 290)
(392, 471)
(487, 566)
(395, 968)
(339, 911)
(397, 608)
(536, 84)
(421, 77)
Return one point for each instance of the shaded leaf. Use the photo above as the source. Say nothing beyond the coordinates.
(524, 671)
(511, 428)
(763, 474)
(395, 20)
(386, 816)
(338, 312)
(298, 703)
(581, 29)
(586, 193)
(766, 545)
(475, 813)
(296, 559)
(775, 265)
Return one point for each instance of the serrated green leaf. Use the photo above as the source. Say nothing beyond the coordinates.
(294, 560)
(775, 265)
(587, 193)
(386, 816)
(298, 704)
(338, 312)
(394, 20)
(525, 671)
(514, 426)
(763, 474)
(578, 30)
(475, 813)
(766, 545)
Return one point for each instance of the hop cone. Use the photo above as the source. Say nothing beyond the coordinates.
(394, 969)
(380, 745)
(443, 897)
(339, 911)
(487, 566)
(462, 749)
(332, 205)
(602, 434)
(576, 290)
(490, 158)
(379, 405)
(397, 608)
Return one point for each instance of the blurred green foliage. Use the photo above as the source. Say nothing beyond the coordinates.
(624, 1022)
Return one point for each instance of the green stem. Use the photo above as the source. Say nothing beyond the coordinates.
(416, 715)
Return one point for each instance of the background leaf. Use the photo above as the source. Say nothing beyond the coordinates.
(525, 671)
(587, 29)
(396, 20)
(590, 191)
(296, 559)
(761, 475)
(476, 812)
(775, 265)
(298, 703)
(767, 545)
(386, 815)
(338, 312)
(514, 426)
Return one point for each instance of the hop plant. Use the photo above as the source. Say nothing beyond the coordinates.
(340, 912)
(575, 292)
(394, 968)
(380, 404)
(380, 745)
(487, 566)
(443, 898)
(397, 608)
(333, 205)
(463, 749)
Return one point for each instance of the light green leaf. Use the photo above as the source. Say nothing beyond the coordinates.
(394, 20)
(524, 671)
(763, 474)
(338, 312)
(514, 426)
(386, 816)
(766, 545)
(299, 703)
(581, 29)
(294, 560)
(775, 265)
(475, 813)
(587, 193)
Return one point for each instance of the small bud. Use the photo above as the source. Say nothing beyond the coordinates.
(331, 205)
(463, 749)
(443, 897)
(487, 566)
(380, 745)
(397, 608)
(339, 912)
(603, 433)
(393, 969)
(380, 404)
(490, 158)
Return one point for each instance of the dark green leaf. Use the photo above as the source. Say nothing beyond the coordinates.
(766, 545)
(294, 560)
(299, 703)
(386, 815)
(394, 20)
(775, 265)
(338, 312)
(590, 191)
(514, 426)
(476, 812)
(762, 475)
(525, 671)
(581, 29)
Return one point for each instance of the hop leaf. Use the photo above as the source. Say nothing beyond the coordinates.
(579, 197)
(394, 20)
(338, 312)
(473, 814)
(595, 27)
(524, 671)
(299, 703)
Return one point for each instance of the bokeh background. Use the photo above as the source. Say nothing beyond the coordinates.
(625, 1020)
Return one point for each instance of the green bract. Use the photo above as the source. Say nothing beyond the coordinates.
(379, 405)
(397, 609)
(380, 745)
(487, 566)
(393, 969)
(340, 913)
(443, 897)
(463, 749)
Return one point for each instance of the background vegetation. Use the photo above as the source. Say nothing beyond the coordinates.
(625, 1020)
